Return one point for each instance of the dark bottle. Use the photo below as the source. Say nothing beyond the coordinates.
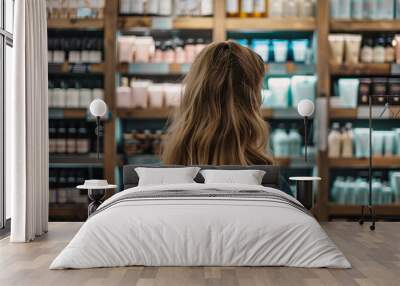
(52, 138)
(71, 140)
(61, 146)
(83, 144)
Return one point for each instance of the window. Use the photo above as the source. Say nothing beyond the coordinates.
(6, 64)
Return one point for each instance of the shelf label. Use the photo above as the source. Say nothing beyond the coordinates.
(148, 68)
(304, 69)
(395, 69)
(277, 69)
(79, 68)
(162, 23)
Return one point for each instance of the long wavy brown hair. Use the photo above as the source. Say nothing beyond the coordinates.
(219, 121)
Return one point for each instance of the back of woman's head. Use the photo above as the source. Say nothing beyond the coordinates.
(219, 120)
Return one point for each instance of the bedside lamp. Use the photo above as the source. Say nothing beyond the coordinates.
(98, 108)
(305, 108)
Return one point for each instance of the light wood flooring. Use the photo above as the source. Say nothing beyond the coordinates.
(375, 257)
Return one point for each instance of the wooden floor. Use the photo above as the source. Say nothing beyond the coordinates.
(375, 257)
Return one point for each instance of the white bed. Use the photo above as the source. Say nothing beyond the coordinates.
(185, 230)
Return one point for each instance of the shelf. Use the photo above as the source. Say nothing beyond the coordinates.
(153, 69)
(76, 68)
(87, 24)
(72, 160)
(363, 69)
(354, 163)
(128, 22)
(297, 162)
(354, 210)
(271, 24)
(164, 113)
(290, 68)
(364, 25)
(362, 112)
(67, 113)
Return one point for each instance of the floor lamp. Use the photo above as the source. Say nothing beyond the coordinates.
(370, 207)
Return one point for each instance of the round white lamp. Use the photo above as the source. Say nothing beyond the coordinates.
(98, 108)
(305, 108)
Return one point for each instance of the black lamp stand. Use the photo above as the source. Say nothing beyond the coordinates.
(370, 207)
(99, 132)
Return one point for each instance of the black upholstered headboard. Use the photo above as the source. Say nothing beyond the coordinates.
(270, 179)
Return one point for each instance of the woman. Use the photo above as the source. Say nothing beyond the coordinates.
(219, 121)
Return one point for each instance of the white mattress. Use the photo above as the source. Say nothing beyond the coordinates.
(200, 231)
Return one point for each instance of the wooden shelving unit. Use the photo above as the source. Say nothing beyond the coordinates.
(91, 24)
(271, 24)
(365, 25)
(219, 24)
(357, 163)
(181, 23)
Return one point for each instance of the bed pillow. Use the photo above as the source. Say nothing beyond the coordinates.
(166, 176)
(248, 177)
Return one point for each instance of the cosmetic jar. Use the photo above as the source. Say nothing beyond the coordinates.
(348, 92)
(280, 50)
(299, 48)
(261, 47)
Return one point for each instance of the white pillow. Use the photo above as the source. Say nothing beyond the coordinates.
(248, 177)
(166, 176)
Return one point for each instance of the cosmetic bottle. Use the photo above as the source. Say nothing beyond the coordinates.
(337, 189)
(85, 94)
(367, 51)
(348, 92)
(232, 8)
(299, 50)
(389, 138)
(173, 93)
(98, 91)
(52, 138)
(156, 95)
(275, 8)
(180, 56)
(334, 141)
(336, 43)
(82, 142)
(71, 139)
(290, 8)
(279, 88)
(61, 146)
(357, 9)
(347, 141)
(387, 194)
(74, 53)
(377, 191)
(144, 49)
(158, 53)
(280, 142)
(139, 94)
(59, 94)
(87, 45)
(95, 54)
(280, 50)
(59, 51)
(353, 45)
(306, 9)
(246, 8)
(302, 87)
(260, 8)
(377, 143)
(261, 47)
(72, 98)
(169, 53)
(361, 142)
(200, 45)
(389, 50)
(126, 47)
(165, 8)
(294, 142)
(379, 50)
(124, 97)
(206, 7)
(190, 50)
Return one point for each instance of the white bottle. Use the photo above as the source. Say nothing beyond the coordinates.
(72, 100)
(347, 141)
(206, 8)
(334, 141)
(124, 94)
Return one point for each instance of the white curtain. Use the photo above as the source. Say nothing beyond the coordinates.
(27, 124)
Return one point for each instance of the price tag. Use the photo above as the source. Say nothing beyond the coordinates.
(79, 68)
(395, 69)
(162, 23)
(148, 68)
(277, 69)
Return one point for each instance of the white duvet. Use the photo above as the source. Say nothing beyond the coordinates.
(193, 231)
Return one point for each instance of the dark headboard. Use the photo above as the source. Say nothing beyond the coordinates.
(271, 177)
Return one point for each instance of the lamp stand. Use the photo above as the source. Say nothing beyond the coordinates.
(305, 138)
(98, 132)
(370, 207)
